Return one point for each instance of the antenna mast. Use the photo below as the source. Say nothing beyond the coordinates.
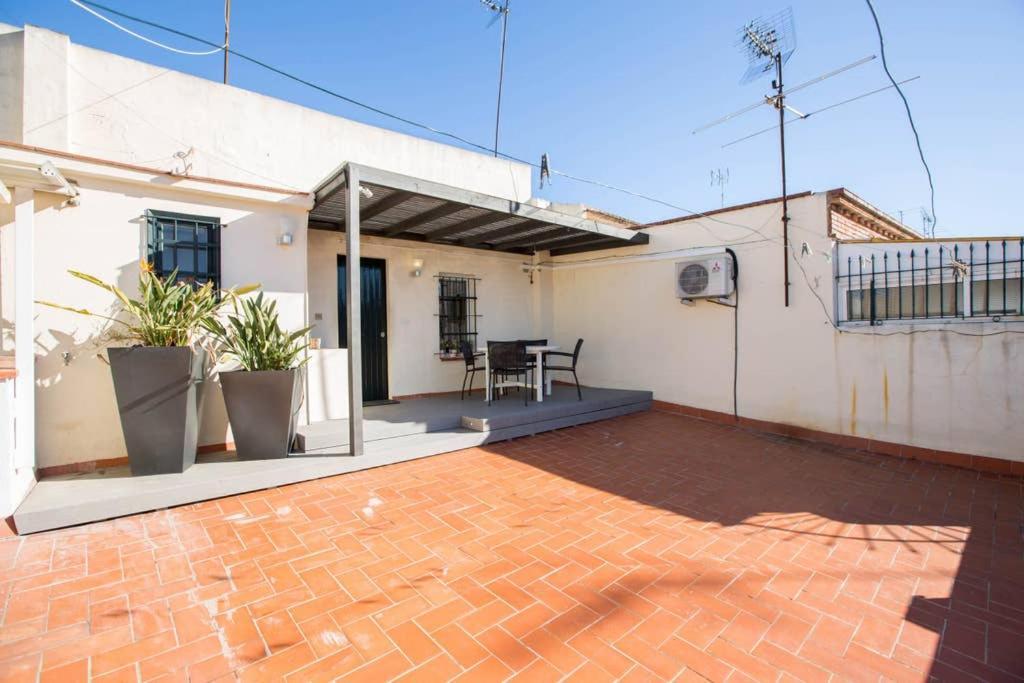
(769, 43)
(500, 10)
(227, 36)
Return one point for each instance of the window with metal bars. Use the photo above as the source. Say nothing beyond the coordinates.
(456, 311)
(190, 244)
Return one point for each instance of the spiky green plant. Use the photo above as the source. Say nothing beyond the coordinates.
(166, 313)
(253, 336)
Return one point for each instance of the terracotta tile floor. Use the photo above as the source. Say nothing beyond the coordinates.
(647, 547)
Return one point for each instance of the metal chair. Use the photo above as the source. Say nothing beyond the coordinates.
(508, 359)
(531, 360)
(471, 367)
(575, 355)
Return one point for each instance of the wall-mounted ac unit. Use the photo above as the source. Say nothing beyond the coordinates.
(706, 276)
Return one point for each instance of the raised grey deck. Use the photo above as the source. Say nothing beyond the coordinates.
(448, 412)
(393, 433)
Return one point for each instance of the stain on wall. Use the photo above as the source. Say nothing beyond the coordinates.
(853, 409)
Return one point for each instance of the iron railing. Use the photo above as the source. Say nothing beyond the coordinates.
(956, 279)
(456, 311)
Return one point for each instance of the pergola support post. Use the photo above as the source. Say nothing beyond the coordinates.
(24, 349)
(353, 305)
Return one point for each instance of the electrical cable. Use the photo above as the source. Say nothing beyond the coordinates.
(560, 173)
(735, 333)
(144, 38)
(906, 105)
(410, 122)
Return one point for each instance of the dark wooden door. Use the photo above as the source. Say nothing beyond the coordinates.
(373, 288)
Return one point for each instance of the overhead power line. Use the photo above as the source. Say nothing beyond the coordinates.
(144, 38)
(407, 121)
(906, 105)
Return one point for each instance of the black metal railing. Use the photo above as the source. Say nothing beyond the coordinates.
(964, 279)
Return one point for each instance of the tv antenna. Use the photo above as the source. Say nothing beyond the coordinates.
(721, 179)
(769, 42)
(927, 223)
(500, 10)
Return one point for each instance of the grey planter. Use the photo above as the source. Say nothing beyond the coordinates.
(262, 406)
(159, 401)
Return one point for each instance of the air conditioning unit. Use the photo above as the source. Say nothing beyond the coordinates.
(707, 276)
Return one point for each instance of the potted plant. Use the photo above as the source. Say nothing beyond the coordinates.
(158, 368)
(262, 396)
(448, 348)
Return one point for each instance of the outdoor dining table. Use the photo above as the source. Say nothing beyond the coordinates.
(533, 350)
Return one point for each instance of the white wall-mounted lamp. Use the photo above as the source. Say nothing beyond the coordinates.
(417, 267)
(285, 239)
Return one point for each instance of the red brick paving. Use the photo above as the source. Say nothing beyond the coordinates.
(652, 546)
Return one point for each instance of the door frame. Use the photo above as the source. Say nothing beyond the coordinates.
(343, 322)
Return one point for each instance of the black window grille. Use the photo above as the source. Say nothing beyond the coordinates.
(456, 311)
(974, 279)
(190, 244)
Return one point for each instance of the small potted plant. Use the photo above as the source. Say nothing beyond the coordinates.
(448, 348)
(159, 365)
(263, 395)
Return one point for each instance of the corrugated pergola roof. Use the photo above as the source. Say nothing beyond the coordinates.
(408, 208)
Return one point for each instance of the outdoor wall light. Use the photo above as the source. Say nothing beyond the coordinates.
(285, 240)
(417, 267)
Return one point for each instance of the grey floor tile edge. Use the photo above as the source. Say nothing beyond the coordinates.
(294, 470)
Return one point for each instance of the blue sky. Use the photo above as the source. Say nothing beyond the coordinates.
(611, 90)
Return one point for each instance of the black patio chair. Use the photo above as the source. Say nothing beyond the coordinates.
(508, 360)
(470, 356)
(575, 355)
(531, 360)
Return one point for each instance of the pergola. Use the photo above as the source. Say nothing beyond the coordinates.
(358, 200)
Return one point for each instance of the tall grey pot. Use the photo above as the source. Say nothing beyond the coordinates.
(159, 400)
(262, 406)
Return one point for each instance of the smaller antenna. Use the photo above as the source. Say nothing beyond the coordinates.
(818, 111)
(721, 179)
(927, 223)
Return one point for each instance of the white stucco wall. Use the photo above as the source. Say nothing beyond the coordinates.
(506, 302)
(933, 390)
(100, 104)
(105, 236)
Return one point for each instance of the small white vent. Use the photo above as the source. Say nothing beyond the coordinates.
(704, 277)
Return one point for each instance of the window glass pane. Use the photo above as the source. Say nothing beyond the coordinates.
(172, 244)
(186, 260)
(992, 293)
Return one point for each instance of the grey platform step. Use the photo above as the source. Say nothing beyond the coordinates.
(447, 412)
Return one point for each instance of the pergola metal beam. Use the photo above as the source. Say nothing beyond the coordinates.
(437, 213)
(538, 239)
(397, 181)
(353, 306)
(583, 244)
(457, 229)
(490, 237)
(488, 222)
(385, 204)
